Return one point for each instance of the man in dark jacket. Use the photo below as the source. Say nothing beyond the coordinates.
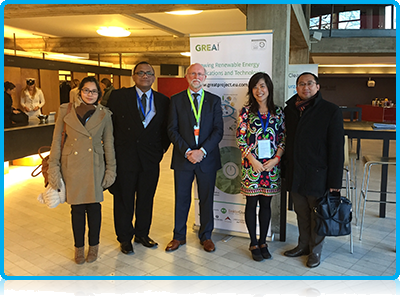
(141, 139)
(313, 159)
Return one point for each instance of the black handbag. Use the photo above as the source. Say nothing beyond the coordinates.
(333, 215)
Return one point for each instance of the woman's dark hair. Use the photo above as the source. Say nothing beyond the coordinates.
(8, 85)
(90, 79)
(252, 102)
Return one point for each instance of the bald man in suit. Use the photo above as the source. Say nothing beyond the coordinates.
(195, 128)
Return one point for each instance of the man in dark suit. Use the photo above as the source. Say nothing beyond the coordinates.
(140, 136)
(195, 128)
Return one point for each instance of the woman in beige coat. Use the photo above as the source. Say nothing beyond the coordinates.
(86, 163)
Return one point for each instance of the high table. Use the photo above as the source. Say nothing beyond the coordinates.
(365, 130)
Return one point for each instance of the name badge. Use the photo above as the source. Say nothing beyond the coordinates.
(196, 130)
(264, 149)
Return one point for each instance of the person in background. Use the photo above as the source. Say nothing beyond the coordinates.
(195, 128)
(313, 159)
(65, 89)
(140, 131)
(73, 94)
(261, 138)
(32, 99)
(12, 116)
(107, 88)
(86, 163)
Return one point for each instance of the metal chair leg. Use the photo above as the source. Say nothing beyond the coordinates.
(365, 199)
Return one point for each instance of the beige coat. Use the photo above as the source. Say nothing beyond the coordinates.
(87, 162)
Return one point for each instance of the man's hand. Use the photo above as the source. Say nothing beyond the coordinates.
(195, 156)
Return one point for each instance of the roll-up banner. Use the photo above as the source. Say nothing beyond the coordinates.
(294, 72)
(230, 60)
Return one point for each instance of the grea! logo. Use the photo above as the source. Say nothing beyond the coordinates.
(207, 47)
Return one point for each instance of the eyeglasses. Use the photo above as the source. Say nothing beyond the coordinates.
(193, 74)
(309, 84)
(87, 91)
(141, 73)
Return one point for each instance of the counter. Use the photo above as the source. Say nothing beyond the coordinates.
(22, 141)
(378, 114)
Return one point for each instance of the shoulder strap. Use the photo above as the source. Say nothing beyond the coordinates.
(65, 125)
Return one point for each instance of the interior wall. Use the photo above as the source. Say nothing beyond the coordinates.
(50, 85)
(349, 91)
(126, 81)
(79, 75)
(13, 74)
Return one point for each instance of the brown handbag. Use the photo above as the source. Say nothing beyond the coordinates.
(45, 160)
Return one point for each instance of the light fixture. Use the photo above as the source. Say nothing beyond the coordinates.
(370, 83)
(184, 12)
(185, 53)
(113, 31)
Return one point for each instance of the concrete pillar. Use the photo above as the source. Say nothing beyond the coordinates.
(299, 56)
(277, 18)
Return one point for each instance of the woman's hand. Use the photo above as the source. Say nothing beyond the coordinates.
(255, 164)
(270, 164)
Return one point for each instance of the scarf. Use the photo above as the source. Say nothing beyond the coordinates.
(84, 112)
(302, 104)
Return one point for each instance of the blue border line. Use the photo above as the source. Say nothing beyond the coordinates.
(394, 277)
(2, 155)
(305, 278)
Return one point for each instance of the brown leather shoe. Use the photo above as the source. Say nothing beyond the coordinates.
(174, 244)
(208, 245)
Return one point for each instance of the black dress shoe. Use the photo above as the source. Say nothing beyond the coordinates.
(296, 252)
(313, 260)
(127, 248)
(145, 241)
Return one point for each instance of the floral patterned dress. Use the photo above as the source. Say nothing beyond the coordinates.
(248, 133)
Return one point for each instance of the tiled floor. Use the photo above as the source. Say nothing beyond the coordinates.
(38, 240)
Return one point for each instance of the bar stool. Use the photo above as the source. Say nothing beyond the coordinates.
(349, 182)
(369, 161)
(350, 167)
(353, 179)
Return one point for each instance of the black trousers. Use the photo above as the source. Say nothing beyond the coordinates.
(183, 198)
(133, 196)
(308, 238)
(78, 217)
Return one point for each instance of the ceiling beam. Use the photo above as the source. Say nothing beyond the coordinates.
(14, 11)
(154, 24)
(151, 59)
(102, 45)
(357, 46)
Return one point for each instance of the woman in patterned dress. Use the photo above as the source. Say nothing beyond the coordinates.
(261, 138)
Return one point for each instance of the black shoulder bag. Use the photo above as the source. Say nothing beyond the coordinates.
(333, 215)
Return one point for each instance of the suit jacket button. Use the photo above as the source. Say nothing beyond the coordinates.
(75, 153)
(90, 150)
